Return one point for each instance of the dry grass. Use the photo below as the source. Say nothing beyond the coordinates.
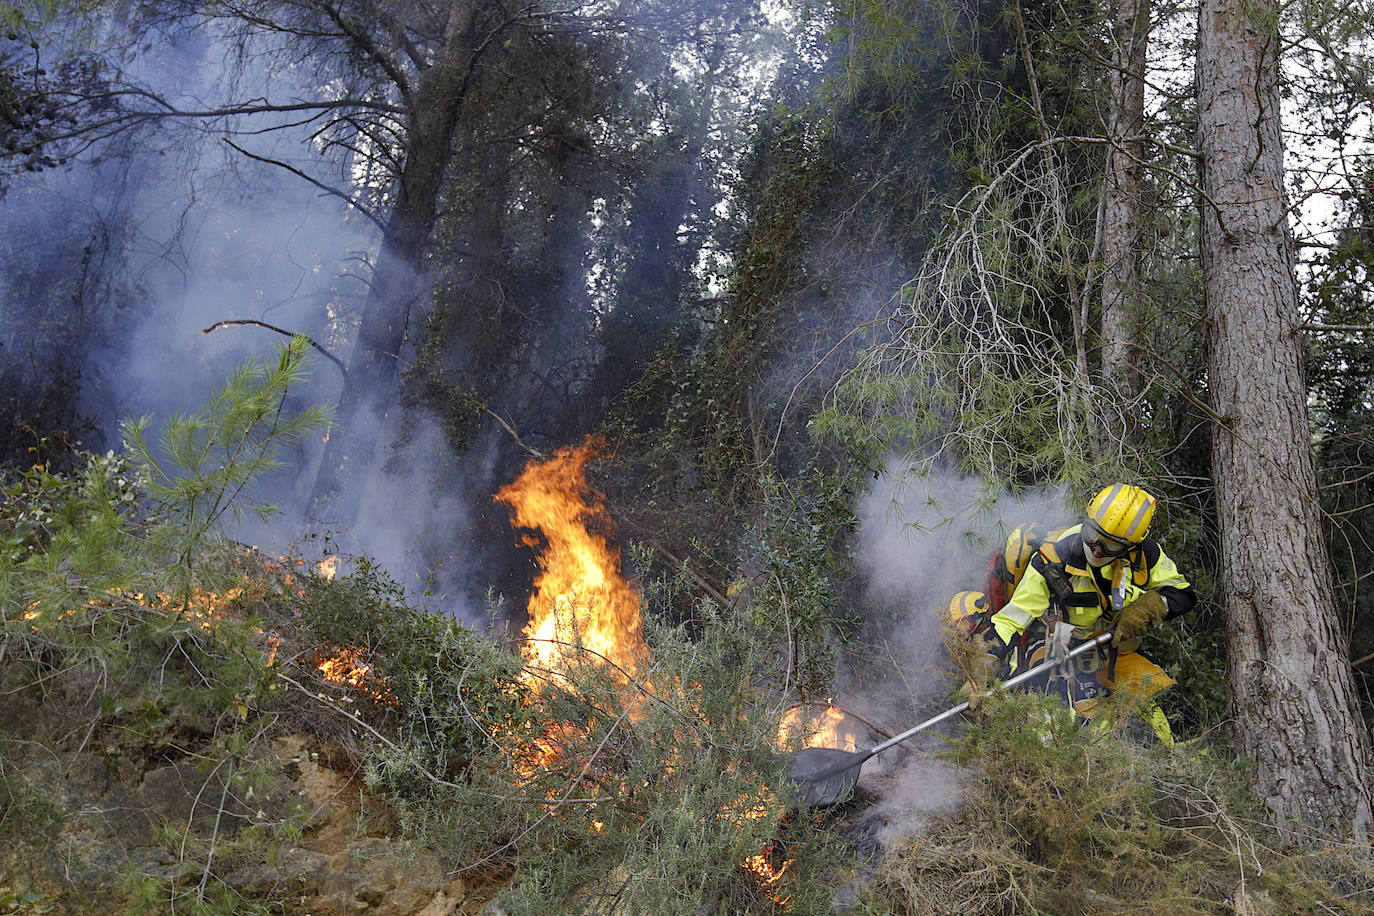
(1064, 819)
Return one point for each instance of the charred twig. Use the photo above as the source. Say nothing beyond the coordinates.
(262, 324)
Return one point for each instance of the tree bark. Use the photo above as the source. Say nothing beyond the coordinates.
(399, 281)
(1121, 204)
(1292, 690)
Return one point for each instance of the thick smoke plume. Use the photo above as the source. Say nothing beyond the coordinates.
(924, 535)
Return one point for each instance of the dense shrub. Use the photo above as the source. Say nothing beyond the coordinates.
(1060, 818)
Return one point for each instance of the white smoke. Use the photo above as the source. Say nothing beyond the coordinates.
(923, 535)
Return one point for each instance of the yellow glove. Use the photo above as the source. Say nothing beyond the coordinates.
(1147, 610)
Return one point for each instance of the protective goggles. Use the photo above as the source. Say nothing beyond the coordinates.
(1103, 544)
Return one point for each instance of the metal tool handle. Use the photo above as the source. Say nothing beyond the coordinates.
(1099, 640)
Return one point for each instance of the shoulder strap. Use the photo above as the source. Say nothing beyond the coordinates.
(1046, 562)
(1143, 560)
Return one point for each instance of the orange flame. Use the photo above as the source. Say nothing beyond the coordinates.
(350, 666)
(581, 597)
(769, 867)
(328, 568)
(809, 728)
(579, 593)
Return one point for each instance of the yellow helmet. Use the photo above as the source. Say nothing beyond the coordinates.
(1119, 517)
(965, 604)
(1021, 545)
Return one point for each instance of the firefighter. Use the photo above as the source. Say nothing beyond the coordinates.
(968, 613)
(1104, 575)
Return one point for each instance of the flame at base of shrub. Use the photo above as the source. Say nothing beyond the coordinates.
(584, 612)
(810, 725)
(580, 596)
(771, 867)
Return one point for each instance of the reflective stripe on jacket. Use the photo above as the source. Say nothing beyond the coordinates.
(1145, 568)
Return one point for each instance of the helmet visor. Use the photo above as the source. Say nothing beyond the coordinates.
(1103, 545)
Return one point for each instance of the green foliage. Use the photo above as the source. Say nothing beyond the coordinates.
(207, 460)
(645, 797)
(38, 503)
(801, 540)
(437, 688)
(24, 902)
(95, 657)
(715, 413)
(588, 788)
(101, 657)
(1341, 373)
(79, 591)
(1061, 818)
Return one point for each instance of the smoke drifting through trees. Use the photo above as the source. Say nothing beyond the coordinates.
(923, 536)
(181, 230)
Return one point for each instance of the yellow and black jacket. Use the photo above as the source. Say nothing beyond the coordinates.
(1059, 577)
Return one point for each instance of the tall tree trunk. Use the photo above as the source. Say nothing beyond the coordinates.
(399, 280)
(1121, 206)
(649, 298)
(1292, 690)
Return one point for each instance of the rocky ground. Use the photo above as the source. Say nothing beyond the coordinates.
(121, 822)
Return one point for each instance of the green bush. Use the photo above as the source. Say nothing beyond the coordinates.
(124, 642)
(435, 687)
(206, 462)
(800, 545)
(1061, 818)
(602, 795)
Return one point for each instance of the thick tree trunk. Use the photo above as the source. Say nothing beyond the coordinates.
(399, 281)
(1292, 691)
(1121, 204)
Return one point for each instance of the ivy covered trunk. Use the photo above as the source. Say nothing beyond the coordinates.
(1292, 690)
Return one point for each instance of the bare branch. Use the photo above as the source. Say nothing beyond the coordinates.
(364, 43)
(333, 192)
(1352, 328)
(262, 324)
(513, 434)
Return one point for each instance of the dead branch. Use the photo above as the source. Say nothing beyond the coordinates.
(513, 434)
(262, 324)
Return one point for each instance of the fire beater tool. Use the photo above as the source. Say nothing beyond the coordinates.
(829, 774)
